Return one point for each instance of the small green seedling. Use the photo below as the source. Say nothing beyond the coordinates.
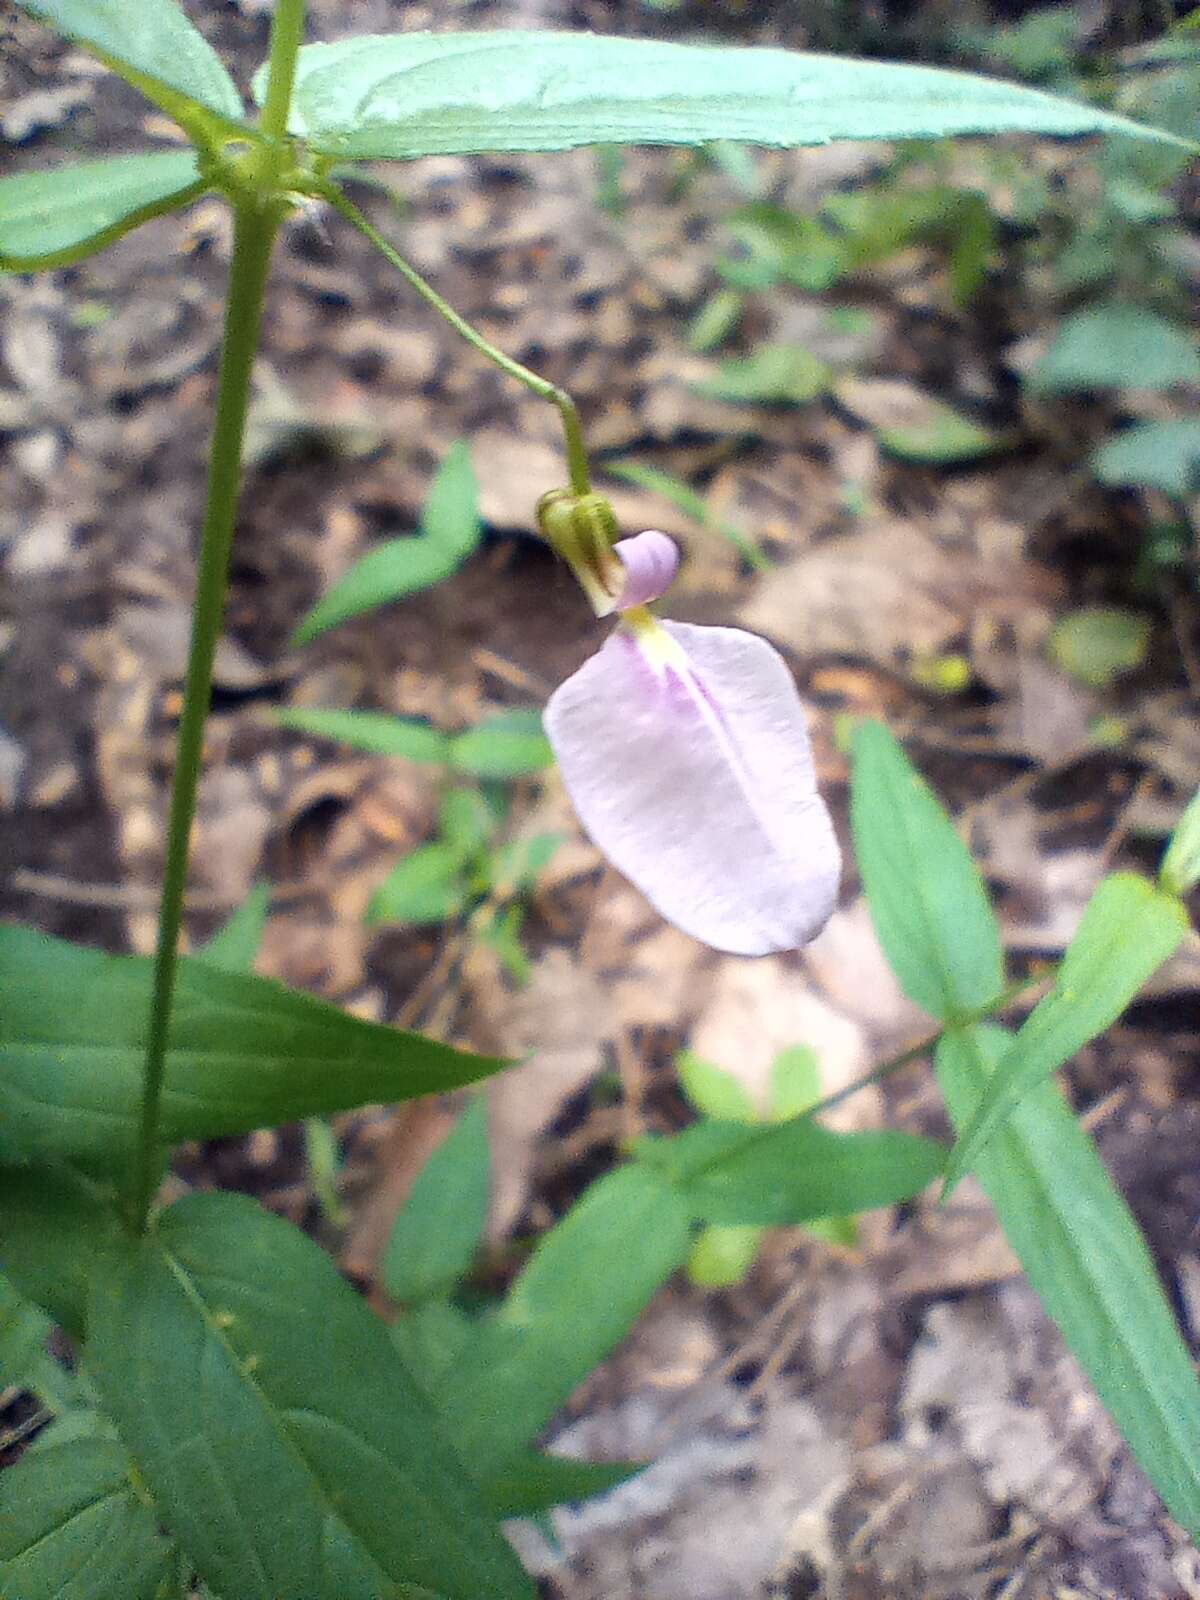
(722, 1254)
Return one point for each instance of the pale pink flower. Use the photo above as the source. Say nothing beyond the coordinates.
(686, 754)
(650, 560)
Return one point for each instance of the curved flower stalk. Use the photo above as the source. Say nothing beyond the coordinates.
(686, 754)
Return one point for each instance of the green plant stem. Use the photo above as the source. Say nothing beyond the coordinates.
(762, 1131)
(287, 34)
(255, 226)
(923, 1046)
(577, 462)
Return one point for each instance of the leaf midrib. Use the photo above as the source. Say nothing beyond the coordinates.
(1049, 1188)
(215, 1332)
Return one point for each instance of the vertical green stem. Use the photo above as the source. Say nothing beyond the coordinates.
(255, 226)
(287, 32)
(577, 461)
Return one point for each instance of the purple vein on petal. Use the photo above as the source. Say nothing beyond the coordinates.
(678, 668)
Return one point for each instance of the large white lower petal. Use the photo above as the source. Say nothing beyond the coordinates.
(687, 758)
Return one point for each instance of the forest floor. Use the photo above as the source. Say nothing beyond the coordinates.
(900, 1418)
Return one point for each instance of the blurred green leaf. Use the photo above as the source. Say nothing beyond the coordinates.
(838, 1231)
(715, 320)
(1096, 644)
(941, 674)
(534, 1482)
(372, 731)
(465, 822)
(23, 1331)
(795, 1082)
(432, 1338)
(940, 435)
(737, 161)
(80, 1417)
(502, 933)
(509, 744)
(1156, 455)
(1116, 346)
(685, 499)
(235, 947)
(712, 1090)
(925, 895)
(782, 1173)
(1041, 46)
(1129, 928)
(878, 221)
(723, 1254)
(323, 1162)
(774, 374)
(1138, 204)
(436, 1235)
(1180, 870)
(610, 164)
(76, 1528)
(153, 46)
(782, 245)
(414, 94)
(1085, 1257)
(424, 886)
(586, 1283)
(277, 1429)
(55, 1225)
(517, 865)
(913, 424)
(449, 533)
(53, 218)
(243, 1053)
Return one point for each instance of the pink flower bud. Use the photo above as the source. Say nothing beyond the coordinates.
(651, 560)
(685, 752)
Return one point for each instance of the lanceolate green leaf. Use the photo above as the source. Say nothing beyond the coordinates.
(49, 219)
(416, 94)
(713, 1091)
(55, 1225)
(373, 731)
(926, 898)
(23, 1331)
(510, 744)
(534, 1482)
(243, 1053)
(425, 886)
(1084, 1255)
(1128, 930)
(1160, 455)
(1117, 346)
(789, 1172)
(152, 45)
(450, 531)
(235, 946)
(587, 1282)
(437, 1233)
(273, 1422)
(75, 1528)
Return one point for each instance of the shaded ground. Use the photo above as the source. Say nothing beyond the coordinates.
(900, 1420)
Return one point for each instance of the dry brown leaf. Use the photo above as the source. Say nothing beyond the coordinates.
(851, 970)
(558, 1021)
(884, 592)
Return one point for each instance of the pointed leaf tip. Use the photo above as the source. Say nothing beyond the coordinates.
(686, 754)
